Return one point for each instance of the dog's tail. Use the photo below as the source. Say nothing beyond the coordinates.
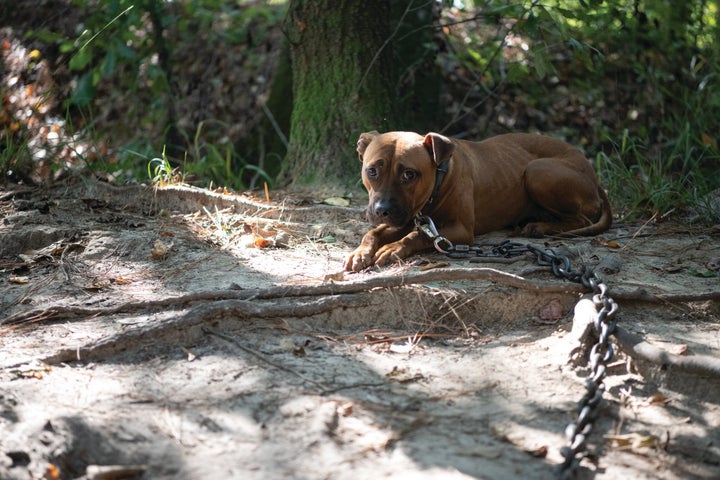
(603, 223)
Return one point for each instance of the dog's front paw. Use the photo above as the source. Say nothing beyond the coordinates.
(360, 259)
(391, 253)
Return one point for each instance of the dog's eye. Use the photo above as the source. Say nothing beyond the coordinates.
(371, 172)
(408, 175)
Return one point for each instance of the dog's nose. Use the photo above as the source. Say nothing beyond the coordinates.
(382, 208)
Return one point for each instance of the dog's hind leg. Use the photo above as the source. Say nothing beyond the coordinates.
(567, 194)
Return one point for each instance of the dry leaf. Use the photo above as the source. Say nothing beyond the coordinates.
(673, 268)
(403, 375)
(335, 277)
(430, 266)
(159, 249)
(18, 280)
(680, 349)
(598, 241)
(28, 256)
(552, 312)
(337, 201)
(540, 452)
(345, 410)
(281, 240)
(52, 472)
(33, 370)
(633, 441)
(190, 355)
(97, 285)
(377, 338)
(287, 344)
(659, 398)
(604, 242)
(261, 242)
(708, 140)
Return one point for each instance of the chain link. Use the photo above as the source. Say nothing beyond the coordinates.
(601, 353)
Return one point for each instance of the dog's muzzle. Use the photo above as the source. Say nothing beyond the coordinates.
(388, 211)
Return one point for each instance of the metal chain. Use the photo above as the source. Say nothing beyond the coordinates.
(601, 353)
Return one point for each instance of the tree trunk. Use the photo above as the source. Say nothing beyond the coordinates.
(342, 86)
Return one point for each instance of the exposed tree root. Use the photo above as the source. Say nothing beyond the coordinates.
(636, 346)
(204, 314)
(335, 288)
(298, 301)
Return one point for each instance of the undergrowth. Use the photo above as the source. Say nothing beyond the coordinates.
(655, 182)
(603, 75)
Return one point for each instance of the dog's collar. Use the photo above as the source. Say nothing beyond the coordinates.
(439, 177)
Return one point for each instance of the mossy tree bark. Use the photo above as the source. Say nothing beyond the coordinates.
(342, 85)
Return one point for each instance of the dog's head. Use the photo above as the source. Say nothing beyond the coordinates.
(399, 170)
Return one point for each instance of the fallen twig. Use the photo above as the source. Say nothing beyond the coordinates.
(262, 357)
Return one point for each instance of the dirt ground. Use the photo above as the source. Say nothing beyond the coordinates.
(185, 334)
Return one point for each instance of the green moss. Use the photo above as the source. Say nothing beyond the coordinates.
(336, 95)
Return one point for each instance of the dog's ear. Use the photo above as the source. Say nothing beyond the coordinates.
(364, 141)
(440, 147)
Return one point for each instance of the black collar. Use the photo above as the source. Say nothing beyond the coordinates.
(439, 177)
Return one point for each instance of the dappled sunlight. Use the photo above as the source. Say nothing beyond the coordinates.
(181, 186)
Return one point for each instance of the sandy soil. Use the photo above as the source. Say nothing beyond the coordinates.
(183, 334)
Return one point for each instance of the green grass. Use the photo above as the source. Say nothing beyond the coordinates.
(14, 155)
(161, 172)
(660, 182)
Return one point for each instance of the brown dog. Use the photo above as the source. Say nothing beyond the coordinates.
(542, 184)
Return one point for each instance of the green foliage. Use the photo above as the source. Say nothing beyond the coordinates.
(161, 172)
(111, 37)
(129, 44)
(655, 182)
(220, 160)
(14, 154)
(633, 82)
